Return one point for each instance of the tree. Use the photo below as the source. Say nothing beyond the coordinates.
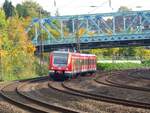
(16, 51)
(3, 42)
(124, 9)
(21, 53)
(30, 8)
(8, 9)
(3, 23)
(22, 10)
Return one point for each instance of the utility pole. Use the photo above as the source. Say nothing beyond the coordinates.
(110, 3)
(41, 48)
(1, 67)
(78, 37)
(1, 64)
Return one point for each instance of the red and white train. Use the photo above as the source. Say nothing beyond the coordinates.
(65, 64)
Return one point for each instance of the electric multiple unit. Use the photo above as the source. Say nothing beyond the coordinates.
(65, 65)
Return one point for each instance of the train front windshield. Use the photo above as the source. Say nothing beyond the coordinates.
(60, 59)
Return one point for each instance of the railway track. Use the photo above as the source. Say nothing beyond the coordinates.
(120, 79)
(107, 81)
(65, 89)
(63, 99)
(140, 76)
(13, 93)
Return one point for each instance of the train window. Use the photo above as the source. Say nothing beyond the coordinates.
(86, 61)
(83, 61)
(60, 59)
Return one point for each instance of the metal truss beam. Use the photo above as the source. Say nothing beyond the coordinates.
(92, 28)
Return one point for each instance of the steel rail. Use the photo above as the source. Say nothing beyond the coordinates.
(37, 106)
(49, 105)
(112, 83)
(100, 97)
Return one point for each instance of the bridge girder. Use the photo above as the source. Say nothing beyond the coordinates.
(92, 29)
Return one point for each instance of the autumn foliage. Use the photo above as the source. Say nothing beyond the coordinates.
(16, 50)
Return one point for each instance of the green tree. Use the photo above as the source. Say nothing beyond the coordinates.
(3, 23)
(3, 42)
(16, 51)
(30, 8)
(8, 8)
(21, 51)
(22, 10)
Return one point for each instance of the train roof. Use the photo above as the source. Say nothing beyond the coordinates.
(81, 54)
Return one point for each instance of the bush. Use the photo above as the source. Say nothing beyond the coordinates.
(41, 70)
(146, 63)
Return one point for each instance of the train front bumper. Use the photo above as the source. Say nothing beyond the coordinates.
(56, 73)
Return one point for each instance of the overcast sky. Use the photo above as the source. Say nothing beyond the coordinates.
(73, 7)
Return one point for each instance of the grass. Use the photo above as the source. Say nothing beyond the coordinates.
(24, 73)
(12, 77)
(100, 66)
(121, 66)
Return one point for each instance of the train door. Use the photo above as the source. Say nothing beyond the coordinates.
(88, 63)
(73, 65)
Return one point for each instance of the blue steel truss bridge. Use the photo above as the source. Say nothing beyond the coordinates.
(101, 30)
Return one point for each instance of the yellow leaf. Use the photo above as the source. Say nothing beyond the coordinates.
(3, 53)
(31, 48)
(81, 32)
